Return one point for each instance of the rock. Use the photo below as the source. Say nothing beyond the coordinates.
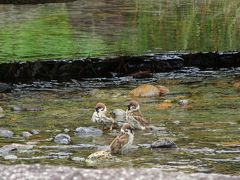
(99, 157)
(26, 134)
(183, 102)
(237, 84)
(25, 108)
(147, 90)
(35, 132)
(6, 133)
(79, 159)
(60, 155)
(1, 113)
(15, 147)
(62, 139)
(164, 105)
(10, 157)
(66, 130)
(5, 88)
(88, 131)
(142, 74)
(164, 143)
(148, 146)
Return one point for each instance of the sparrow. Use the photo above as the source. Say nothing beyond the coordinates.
(134, 116)
(123, 142)
(99, 116)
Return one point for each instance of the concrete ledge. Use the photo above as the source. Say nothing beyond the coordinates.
(57, 172)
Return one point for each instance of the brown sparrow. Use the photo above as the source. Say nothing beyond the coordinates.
(134, 116)
(100, 116)
(123, 142)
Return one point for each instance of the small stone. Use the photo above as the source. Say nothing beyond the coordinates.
(88, 132)
(66, 130)
(26, 134)
(10, 157)
(183, 102)
(164, 143)
(62, 139)
(35, 132)
(6, 133)
(79, 159)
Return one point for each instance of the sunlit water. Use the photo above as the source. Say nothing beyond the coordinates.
(103, 28)
(206, 131)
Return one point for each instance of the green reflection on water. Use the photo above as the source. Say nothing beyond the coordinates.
(100, 28)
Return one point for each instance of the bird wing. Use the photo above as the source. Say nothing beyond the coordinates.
(118, 143)
(141, 119)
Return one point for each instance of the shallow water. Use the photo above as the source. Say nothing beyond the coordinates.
(103, 28)
(206, 131)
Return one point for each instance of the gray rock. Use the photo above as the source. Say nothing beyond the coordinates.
(7, 149)
(1, 113)
(6, 133)
(10, 157)
(164, 143)
(88, 132)
(148, 146)
(62, 139)
(5, 88)
(26, 134)
(35, 132)
(79, 159)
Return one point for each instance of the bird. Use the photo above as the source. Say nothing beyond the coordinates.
(134, 116)
(100, 115)
(123, 142)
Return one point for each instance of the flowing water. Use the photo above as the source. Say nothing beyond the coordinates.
(206, 131)
(102, 28)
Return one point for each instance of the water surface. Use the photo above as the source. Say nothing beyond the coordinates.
(103, 28)
(206, 131)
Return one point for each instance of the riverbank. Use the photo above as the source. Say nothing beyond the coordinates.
(138, 66)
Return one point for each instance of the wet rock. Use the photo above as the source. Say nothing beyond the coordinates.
(66, 130)
(79, 159)
(35, 132)
(1, 112)
(62, 139)
(148, 146)
(60, 155)
(5, 88)
(25, 108)
(26, 134)
(6, 133)
(142, 74)
(88, 131)
(164, 143)
(147, 90)
(183, 102)
(237, 84)
(15, 147)
(99, 157)
(10, 157)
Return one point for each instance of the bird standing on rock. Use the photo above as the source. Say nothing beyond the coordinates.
(134, 116)
(123, 142)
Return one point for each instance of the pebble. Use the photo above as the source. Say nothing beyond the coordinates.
(62, 139)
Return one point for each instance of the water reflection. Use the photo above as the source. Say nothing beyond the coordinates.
(101, 28)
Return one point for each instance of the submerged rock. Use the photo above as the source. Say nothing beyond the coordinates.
(15, 147)
(35, 132)
(164, 143)
(183, 102)
(79, 159)
(6, 133)
(88, 131)
(25, 108)
(62, 139)
(26, 134)
(10, 157)
(147, 90)
(1, 112)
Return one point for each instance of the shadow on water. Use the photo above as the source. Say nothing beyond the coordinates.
(206, 131)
